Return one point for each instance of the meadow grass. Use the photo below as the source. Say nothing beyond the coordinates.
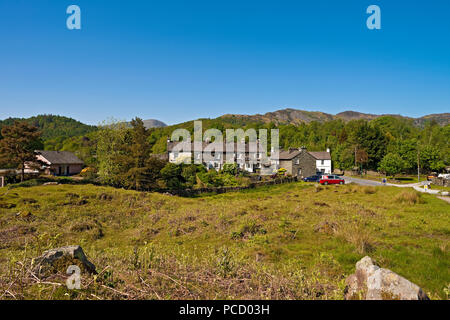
(291, 241)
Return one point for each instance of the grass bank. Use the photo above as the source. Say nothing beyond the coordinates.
(292, 241)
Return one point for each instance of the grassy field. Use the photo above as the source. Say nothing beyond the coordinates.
(292, 241)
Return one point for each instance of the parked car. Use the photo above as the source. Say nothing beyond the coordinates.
(314, 178)
(331, 179)
(431, 176)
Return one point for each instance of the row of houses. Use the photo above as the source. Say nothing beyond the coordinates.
(298, 162)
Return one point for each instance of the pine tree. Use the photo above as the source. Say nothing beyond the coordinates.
(18, 145)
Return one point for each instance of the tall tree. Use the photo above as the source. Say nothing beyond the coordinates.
(110, 146)
(392, 164)
(18, 145)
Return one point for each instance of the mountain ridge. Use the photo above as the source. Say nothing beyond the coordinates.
(297, 116)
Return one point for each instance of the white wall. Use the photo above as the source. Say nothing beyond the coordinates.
(326, 165)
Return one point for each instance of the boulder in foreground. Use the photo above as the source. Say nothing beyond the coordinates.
(370, 282)
(59, 259)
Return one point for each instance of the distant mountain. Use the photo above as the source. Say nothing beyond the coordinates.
(54, 127)
(442, 119)
(294, 116)
(153, 123)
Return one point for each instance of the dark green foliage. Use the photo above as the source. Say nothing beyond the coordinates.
(230, 168)
(392, 164)
(171, 174)
(18, 144)
(54, 128)
(124, 157)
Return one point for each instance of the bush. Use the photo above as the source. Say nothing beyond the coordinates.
(369, 190)
(89, 173)
(230, 168)
(171, 174)
(409, 197)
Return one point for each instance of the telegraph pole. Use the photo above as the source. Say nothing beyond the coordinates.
(418, 165)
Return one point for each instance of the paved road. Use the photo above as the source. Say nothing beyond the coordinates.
(363, 182)
(445, 199)
(366, 182)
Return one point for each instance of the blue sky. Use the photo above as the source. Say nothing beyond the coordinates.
(180, 60)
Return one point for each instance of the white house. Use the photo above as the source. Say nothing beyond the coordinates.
(323, 160)
(247, 159)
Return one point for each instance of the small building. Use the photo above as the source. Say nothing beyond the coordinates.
(323, 161)
(59, 163)
(303, 163)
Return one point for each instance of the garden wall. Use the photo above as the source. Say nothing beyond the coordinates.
(441, 182)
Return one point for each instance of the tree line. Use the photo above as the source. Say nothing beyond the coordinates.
(126, 154)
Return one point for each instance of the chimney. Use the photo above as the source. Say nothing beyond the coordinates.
(302, 148)
(168, 139)
(328, 150)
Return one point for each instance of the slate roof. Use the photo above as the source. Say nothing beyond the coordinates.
(59, 157)
(288, 155)
(291, 154)
(320, 155)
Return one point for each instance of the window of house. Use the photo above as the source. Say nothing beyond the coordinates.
(322, 162)
(297, 161)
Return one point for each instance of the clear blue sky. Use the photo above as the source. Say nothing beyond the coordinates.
(180, 60)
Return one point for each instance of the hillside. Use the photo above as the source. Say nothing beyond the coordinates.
(241, 245)
(294, 116)
(54, 127)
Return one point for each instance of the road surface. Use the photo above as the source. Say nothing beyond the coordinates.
(366, 182)
(363, 182)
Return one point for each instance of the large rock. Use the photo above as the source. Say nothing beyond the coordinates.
(59, 259)
(370, 282)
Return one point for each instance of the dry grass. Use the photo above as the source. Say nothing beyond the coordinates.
(369, 190)
(293, 241)
(409, 197)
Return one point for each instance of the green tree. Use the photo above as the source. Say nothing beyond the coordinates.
(431, 159)
(372, 140)
(391, 164)
(110, 147)
(171, 174)
(18, 145)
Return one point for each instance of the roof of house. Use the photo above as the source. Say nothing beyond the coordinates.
(292, 153)
(288, 154)
(320, 155)
(59, 157)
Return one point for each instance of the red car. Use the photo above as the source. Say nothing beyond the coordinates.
(331, 180)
